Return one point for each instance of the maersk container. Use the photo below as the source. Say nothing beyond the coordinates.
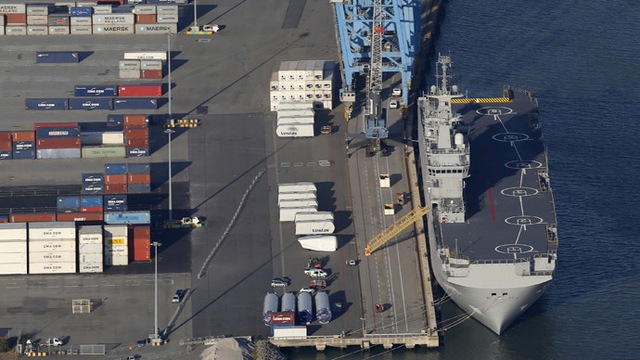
(51, 257)
(81, 11)
(52, 230)
(315, 227)
(68, 245)
(115, 203)
(297, 187)
(139, 188)
(128, 217)
(16, 246)
(46, 104)
(168, 27)
(15, 231)
(90, 267)
(57, 57)
(296, 131)
(68, 203)
(298, 203)
(115, 169)
(24, 145)
(13, 268)
(103, 151)
(135, 104)
(24, 154)
(270, 305)
(96, 90)
(305, 311)
(323, 309)
(137, 152)
(113, 19)
(90, 104)
(288, 302)
(311, 195)
(58, 154)
(289, 214)
(139, 168)
(52, 268)
(317, 216)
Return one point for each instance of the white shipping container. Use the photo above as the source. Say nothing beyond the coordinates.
(38, 20)
(146, 55)
(13, 8)
(314, 227)
(111, 231)
(289, 214)
(129, 74)
(13, 231)
(77, 20)
(90, 239)
(299, 332)
(144, 9)
(320, 215)
(151, 64)
(297, 187)
(52, 246)
(111, 241)
(305, 130)
(129, 64)
(294, 106)
(90, 234)
(295, 112)
(113, 29)
(67, 3)
(37, 10)
(81, 30)
(116, 260)
(102, 9)
(167, 9)
(16, 30)
(2, 20)
(52, 230)
(84, 248)
(90, 257)
(13, 268)
(288, 203)
(295, 121)
(37, 30)
(90, 267)
(13, 257)
(51, 257)
(102, 138)
(166, 18)
(58, 30)
(114, 19)
(52, 268)
(13, 246)
(156, 28)
(116, 250)
(311, 195)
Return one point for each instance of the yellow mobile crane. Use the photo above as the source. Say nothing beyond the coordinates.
(395, 229)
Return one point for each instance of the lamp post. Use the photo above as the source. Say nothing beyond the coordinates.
(169, 70)
(362, 319)
(195, 14)
(169, 132)
(155, 317)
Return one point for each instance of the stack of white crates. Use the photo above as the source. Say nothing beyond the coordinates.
(295, 198)
(116, 248)
(295, 120)
(318, 223)
(304, 81)
(90, 255)
(52, 248)
(13, 248)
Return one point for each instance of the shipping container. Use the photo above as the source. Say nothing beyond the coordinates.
(52, 230)
(6, 155)
(102, 138)
(115, 120)
(115, 179)
(297, 187)
(116, 189)
(135, 103)
(115, 169)
(136, 121)
(141, 250)
(33, 217)
(90, 234)
(60, 143)
(146, 55)
(90, 104)
(167, 2)
(136, 133)
(103, 151)
(24, 154)
(90, 257)
(12, 30)
(145, 19)
(137, 151)
(58, 153)
(152, 90)
(92, 178)
(80, 29)
(317, 216)
(113, 19)
(290, 332)
(269, 306)
(102, 9)
(80, 216)
(57, 57)
(90, 267)
(323, 310)
(289, 214)
(115, 203)
(53, 131)
(315, 227)
(96, 90)
(129, 64)
(37, 126)
(151, 74)
(58, 20)
(37, 20)
(92, 189)
(51, 257)
(167, 10)
(128, 217)
(52, 246)
(59, 30)
(324, 243)
(26, 135)
(4, 218)
(311, 195)
(46, 104)
(167, 19)
(139, 179)
(52, 268)
(13, 268)
(113, 29)
(13, 8)
(139, 168)
(15, 19)
(121, 260)
(296, 131)
(13, 246)
(24, 145)
(287, 203)
(81, 11)
(162, 24)
(151, 64)
(68, 202)
(139, 188)
(81, 22)
(90, 248)
(137, 143)
(91, 201)
(39, 9)
(13, 232)
(111, 231)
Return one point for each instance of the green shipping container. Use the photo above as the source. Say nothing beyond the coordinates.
(103, 151)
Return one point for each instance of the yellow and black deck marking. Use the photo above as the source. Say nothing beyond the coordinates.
(480, 100)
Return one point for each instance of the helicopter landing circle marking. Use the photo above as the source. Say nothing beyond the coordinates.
(524, 220)
(510, 137)
(499, 110)
(523, 164)
(519, 191)
(514, 248)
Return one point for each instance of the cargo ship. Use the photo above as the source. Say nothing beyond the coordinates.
(492, 226)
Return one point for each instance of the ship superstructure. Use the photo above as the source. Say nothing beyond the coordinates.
(492, 224)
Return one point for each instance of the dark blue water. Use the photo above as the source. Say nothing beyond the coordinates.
(582, 61)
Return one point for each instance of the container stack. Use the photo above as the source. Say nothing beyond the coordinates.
(80, 20)
(15, 19)
(52, 248)
(136, 133)
(13, 249)
(304, 81)
(151, 69)
(24, 144)
(92, 183)
(6, 148)
(67, 207)
(295, 120)
(139, 178)
(142, 65)
(116, 248)
(33, 217)
(296, 197)
(115, 179)
(58, 141)
(115, 203)
(129, 69)
(140, 248)
(90, 254)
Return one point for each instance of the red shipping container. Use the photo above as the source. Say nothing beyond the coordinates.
(24, 136)
(115, 179)
(142, 232)
(15, 19)
(132, 133)
(91, 209)
(4, 219)
(283, 318)
(137, 143)
(139, 90)
(139, 179)
(136, 121)
(5, 136)
(5, 146)
(146, 19)
(115, 188)
(59, 143)
(95, 216)
(142, 250)
(33, 217)
(40, 125)
(152, 74)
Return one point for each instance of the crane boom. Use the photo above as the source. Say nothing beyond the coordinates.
(395, 229)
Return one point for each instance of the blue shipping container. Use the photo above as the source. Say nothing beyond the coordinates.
(115, 169)
(96, 90)
(57, 57)
(91, 201)
(81, 11)
(135, 103)
(115, 203)
(58, 132)
(24, 154)
(24, 145)
(139, 188)
(91, 104)
(68, 202)
(115, 120)
(133, 152)
(92, 178)
(92, 188)
(129, 217)
(5, 155)
(58, 153)
(142, 168)
(46, 104)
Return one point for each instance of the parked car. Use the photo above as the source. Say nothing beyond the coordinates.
(393, 104)
(396, 92)
(306, 289)
(315, 272)
(278, 283)
(177, 297)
